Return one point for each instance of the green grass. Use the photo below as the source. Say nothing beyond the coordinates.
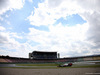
(50, 64)
(88, 66)
(41, 67)
(31, 67)
(54, 66)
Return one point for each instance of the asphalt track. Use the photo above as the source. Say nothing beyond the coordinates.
(75, 64)
(7, 65)
(5, 70)
(61, 71)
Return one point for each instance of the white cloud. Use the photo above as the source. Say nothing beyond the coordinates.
(60, 38)
(31, 1)
(15, 35)
(1, 18)
(89, 5)
(47, 13)
(50, 10)
(10, 46)
(8, 43)
(2, 28)
(10, 5)
(68, 41)
(91, 15)
(76, 39)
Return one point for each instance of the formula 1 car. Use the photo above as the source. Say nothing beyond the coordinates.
(66, 65)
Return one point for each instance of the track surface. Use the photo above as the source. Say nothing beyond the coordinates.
(62, 71)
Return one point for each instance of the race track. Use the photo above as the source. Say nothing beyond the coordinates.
(62, 71)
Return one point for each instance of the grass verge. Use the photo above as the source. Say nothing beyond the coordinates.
(53, 64)
(49, 66)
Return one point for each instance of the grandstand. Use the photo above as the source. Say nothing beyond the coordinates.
(6, 59)
(42, 55)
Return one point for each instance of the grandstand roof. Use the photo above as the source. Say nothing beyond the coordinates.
(45, 51)
(83, 56)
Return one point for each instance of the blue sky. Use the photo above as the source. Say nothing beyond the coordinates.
(71, 20)
(48, 25)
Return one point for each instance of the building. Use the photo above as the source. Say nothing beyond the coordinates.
(42, 55)
(30, 56)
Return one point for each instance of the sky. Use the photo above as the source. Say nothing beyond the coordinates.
(69, 27)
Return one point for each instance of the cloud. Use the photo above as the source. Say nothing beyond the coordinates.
(2, 28)
(31, 1)
(94, 29)
(91, 15)
(8, 43)
(60, 38)
(48, 12)
(12, 47)
(1, 18)
(89, 5)
(6, 5)
(54, 3)
(80, 39)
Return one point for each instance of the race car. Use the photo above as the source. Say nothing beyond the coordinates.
(65, 65)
